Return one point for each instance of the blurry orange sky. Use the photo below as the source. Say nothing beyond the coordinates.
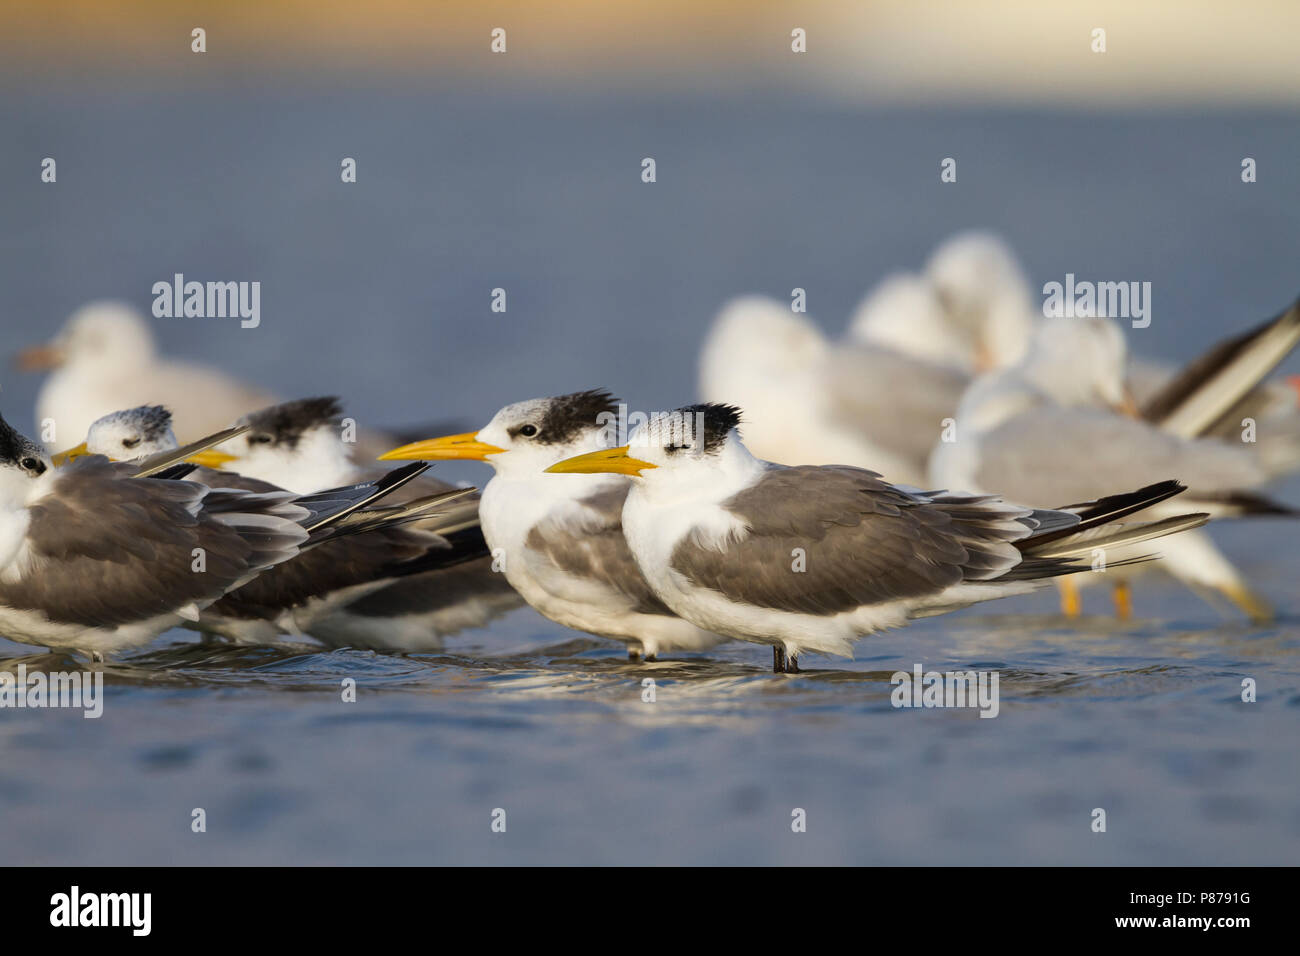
(1031, 51)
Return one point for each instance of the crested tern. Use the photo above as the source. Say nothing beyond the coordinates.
(444, 584)
(561, 541)
(314, 595)
(96, 560)
(810, 558)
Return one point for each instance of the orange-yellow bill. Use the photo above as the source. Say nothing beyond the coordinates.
(614, 460)
(63, 457)
(211, 458)
(465, 446)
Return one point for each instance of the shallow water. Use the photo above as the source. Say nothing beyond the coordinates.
(381, 294)
(1143, 719)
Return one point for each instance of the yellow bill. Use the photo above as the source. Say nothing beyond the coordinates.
(465, 446)
(72, 454)
(211, 458)
(614, 460)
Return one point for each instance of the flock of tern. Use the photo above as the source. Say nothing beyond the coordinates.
(1062, 460)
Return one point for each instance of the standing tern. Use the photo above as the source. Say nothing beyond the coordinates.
(810, 558)
(561, 541)
(447, 586)
(95, 560)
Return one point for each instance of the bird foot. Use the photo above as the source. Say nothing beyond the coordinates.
(1123, 597)
(1071, 605)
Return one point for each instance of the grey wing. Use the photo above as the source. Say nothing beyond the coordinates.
(1054, 456)
(441, 589)
(110, 550)
(336, 564)
(828, 540)
(214, 478)
(597, 550)
(897, 401)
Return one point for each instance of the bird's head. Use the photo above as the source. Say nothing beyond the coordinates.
(527, 437)
(691, 442)
(126, 435)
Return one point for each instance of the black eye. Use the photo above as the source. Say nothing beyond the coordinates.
(130, 442)
(259, 439)
(673, 448)
(528, 431)
(33, 464)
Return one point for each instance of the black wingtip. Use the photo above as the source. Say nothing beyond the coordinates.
(399, 476)
(1112, 508)
(175, 471)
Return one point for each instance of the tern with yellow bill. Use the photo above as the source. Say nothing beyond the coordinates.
(419, 546)
(142, 435)
(559, 541)
(404, 589)
(97, 560)
(810, 558)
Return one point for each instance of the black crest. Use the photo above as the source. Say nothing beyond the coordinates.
(12, 444)
(567, 416)
(14, 447)
(288, 422)
(718, 421)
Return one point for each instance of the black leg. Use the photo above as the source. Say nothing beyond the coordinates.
(778, 659)
(633, 654)
(792, 667)
(652, 657)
